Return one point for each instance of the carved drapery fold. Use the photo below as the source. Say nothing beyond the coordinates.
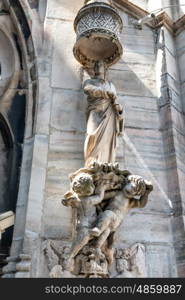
(104, 122)
(9, 84)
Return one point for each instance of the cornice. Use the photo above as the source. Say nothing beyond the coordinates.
(161, 19)
(179, 25)
(131, 8)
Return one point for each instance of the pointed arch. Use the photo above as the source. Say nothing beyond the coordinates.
(17, 118)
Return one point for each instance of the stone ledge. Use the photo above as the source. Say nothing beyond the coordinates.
(162, 19)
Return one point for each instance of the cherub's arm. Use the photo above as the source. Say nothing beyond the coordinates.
(111, 194)
(96, 199)
(72, 201)
(144, 199)
(100, 195)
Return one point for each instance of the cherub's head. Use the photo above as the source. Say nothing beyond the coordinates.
(135, 186)
(83, 185)
(66, 250)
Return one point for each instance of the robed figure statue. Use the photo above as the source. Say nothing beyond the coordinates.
(104, 118)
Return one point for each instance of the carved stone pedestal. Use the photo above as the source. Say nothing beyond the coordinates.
(90, 263)
(101, 196)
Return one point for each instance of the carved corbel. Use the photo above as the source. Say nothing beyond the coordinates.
(101, 204)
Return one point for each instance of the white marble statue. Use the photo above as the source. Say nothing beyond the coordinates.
(84, 200)
(104, 119)
(133, 195)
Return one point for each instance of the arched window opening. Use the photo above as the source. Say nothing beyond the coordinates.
(6, 149)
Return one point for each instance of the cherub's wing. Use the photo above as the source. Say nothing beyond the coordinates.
(51, 255)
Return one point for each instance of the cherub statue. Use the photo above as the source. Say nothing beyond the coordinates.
(84, 197)
(133, 195)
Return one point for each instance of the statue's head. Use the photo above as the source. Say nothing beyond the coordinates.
(135, 186)
(83, 185)
(99, 70)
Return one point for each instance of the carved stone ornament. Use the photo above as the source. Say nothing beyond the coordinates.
(130, 262)
(97, 26)
(57, 254)
(101, 195)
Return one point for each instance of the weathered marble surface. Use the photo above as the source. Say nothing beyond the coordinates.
(135, 80)
(154, 124)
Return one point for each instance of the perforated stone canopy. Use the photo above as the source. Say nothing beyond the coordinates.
(98, 26)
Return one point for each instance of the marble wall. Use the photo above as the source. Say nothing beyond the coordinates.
(149, 82)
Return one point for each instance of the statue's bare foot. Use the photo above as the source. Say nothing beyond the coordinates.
(95, 232)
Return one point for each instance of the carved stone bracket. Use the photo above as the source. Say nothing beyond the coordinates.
(101, 195)
(86, 264)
